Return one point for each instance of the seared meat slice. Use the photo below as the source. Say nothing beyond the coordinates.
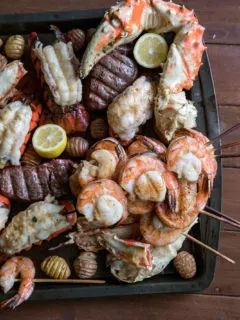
(108, 78)
(29, 184)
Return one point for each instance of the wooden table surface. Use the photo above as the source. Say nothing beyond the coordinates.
(222, 299)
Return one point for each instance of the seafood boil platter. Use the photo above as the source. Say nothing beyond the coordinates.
(110, 154)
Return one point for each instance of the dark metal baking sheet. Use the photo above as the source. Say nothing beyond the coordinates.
(203, 95)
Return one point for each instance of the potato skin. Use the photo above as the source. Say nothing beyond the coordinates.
(110, 76)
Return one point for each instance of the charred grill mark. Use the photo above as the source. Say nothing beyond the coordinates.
(26, 184)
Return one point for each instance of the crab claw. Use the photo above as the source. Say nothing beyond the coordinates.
(121, 24)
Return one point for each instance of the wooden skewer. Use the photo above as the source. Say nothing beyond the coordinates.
(228, 145)
(220, 218)
(229, 155)
(220, 214)
(209, 248)
(65, 281)
(235, 127)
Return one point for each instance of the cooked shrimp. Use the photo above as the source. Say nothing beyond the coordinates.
(110, 144)
(83, 174)
(155, 232)
(188, 209)
(140, 206)
(9, 271)
(103, 201)
(189, 155)
(107, 155)
(147, 178)
(145, 144)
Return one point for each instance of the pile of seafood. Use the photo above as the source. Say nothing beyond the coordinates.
(135, 195)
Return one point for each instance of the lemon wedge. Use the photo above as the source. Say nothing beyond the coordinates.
(49, 141)
(151, 50)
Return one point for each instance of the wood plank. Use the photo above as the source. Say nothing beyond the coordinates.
(226, 280)
(230, 115)
(230, 194)
(172, 307)
(222, 25)
(226, 73)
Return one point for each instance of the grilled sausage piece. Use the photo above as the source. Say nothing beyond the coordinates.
(34, 183)
(110, 76)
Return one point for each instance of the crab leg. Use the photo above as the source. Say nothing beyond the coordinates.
(125, 21)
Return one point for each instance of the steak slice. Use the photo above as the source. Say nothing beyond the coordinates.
(29, 184)
(108, 78)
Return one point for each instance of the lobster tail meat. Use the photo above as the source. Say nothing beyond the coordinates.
(40, 221)
(57, 69)
(17, 120)
(132, 108)
(9, 78)
(34, 183)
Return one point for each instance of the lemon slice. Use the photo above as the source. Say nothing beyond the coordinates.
(151, 50)
(49, 141)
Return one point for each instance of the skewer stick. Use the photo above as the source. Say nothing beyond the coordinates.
(228, 145)
(235, 127)
(220, 218)
(65, 281)
(220, 214)
(209, 248)
(228, 155)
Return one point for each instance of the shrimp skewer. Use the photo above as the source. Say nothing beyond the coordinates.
(8, 272)
(145, 177)
(157, 233)
(190, 154)
(144, 144)
(103, 201)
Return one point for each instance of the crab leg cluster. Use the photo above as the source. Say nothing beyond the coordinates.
(123, 23)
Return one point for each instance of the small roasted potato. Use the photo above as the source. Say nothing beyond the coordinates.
(185, 265)
(30, 157)
(77, 147)
(99, 129)
(14, 47)
(56, 267)
(85, 265)
(77, 37)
